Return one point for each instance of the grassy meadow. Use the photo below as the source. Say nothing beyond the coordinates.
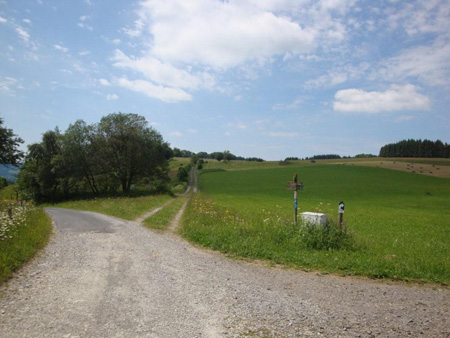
(398, 222)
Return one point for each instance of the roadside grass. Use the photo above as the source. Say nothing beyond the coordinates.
(398, 222)
(24, 229)
(128, 208)
(162, 219)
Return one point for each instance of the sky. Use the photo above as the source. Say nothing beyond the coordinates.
(260, 78)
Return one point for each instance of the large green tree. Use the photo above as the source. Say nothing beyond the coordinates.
(79, 151)
(9, 146)
(44, 175)
(130, 148)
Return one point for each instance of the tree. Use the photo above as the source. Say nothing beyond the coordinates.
(177, 152)
(130, 149)
(44, 175)
(9, 146)
(79, 152)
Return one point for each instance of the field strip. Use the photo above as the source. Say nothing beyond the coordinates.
(152, 212)
(175, 223)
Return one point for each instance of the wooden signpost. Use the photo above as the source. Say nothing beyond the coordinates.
(294, 185)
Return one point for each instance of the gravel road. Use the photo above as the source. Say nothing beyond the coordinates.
(105, 277)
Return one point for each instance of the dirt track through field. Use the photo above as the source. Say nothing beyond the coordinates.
(105, 277)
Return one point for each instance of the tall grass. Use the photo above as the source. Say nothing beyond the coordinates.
(399, 222)
(24, 229)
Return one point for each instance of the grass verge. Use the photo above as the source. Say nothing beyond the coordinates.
(128, 208)
(161, 220)
(24, 230)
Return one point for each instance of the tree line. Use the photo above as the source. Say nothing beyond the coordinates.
(416, 148)
(218, 155)
(119, 151)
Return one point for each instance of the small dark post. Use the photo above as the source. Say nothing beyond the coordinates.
(341, 213)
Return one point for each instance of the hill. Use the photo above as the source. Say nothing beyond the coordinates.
(10, 173)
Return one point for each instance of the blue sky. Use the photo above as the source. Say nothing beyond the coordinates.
(264, 78)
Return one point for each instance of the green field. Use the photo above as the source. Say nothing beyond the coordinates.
(399, 222)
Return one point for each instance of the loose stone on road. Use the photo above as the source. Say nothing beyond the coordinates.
(104, 277)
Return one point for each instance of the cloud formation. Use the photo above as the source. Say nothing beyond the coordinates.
(397, 98)
(162, 93)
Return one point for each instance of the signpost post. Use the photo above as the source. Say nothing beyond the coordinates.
(294, 185)
(341, 213)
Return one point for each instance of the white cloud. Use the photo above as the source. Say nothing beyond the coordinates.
(419, 16)
(84, 52)
(61, 48)
(430, 64)
(27, 21)
(23, 34)
(176, 134)
(162, 93)
(286, 106)
(116, 42)
(104, 82)
(339, 75)
(7, 84)
(397, 98)
(163, 73)
(3, 20)
(85, 26)
(112, 97)
(219, 34)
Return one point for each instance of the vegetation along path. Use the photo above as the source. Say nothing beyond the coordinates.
(105, 277)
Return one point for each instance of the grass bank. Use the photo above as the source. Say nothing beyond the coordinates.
(24, 230)
(399, 222)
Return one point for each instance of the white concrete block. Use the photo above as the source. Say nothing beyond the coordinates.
(314, 218)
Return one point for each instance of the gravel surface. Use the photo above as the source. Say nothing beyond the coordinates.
(119, 279)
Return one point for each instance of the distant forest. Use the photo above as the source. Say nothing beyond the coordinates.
(218, 155)
(416, 148)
